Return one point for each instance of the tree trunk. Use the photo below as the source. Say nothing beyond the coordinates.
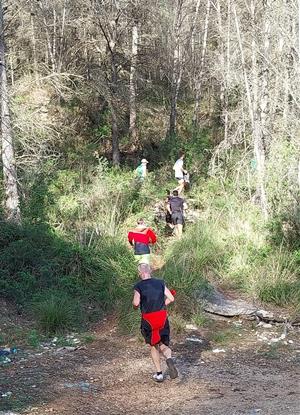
(33, 39)
(299, 31)
(257, 130)
(62, 38)
(12, 204)
(221, 52)
(54, 53)
(133, 131)
(113, 103)
(193, 29)
(226, 92)
(115, 137)
(258, 145)
(243, 63)
(177, 70)
(110, 33)
(200, 74)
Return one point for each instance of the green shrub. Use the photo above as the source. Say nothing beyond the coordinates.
(39, 262)
(281, 293)
(56, 312)
(187, 266)
(33, 338)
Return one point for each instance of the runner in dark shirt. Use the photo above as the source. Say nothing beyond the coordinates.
(152, 292)
(152, 296)
(176, 208)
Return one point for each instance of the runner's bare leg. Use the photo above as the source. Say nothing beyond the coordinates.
(166, 351)
(179, 230)
(156, 358)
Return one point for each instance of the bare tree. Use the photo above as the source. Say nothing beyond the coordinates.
(177, 66)
(109, 24)
(12, 204)
(199, 76)
(132, 85)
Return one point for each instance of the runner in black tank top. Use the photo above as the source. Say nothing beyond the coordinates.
(152, 296)
(176, 207)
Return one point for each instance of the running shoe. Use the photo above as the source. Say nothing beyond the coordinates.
(158, 378)
(172, 368)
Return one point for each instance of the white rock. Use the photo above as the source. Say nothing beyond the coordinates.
(264, 325)
(6, 395)
(219, 351)
(264, 314)
(194, 339)
(191, 327)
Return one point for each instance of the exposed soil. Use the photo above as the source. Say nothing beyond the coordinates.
(112, 375)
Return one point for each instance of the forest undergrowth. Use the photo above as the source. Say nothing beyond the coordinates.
(69, 263)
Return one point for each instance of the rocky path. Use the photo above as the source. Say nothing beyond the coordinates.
(229, 368)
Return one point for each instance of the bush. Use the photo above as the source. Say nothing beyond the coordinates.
(253, 257)
(188, 263)
(281, 293)
(36, 262)
(277, 279)
(56, 312)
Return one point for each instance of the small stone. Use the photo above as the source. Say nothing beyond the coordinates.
(66, 349)
(264, 314)
(264, 325)
(219, 351)
(194, 340)
(191, 327)
(290, 342)
(5, 360)
(69, 385)
(6, 394)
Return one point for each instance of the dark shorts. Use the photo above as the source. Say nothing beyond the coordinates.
(164, 332)
(177, 218)
(168, 217)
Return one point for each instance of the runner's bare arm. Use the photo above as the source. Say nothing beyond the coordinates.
(169, 208)
(170, 297)
(136, 299)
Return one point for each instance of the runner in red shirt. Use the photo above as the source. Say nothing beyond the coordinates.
(140, 238)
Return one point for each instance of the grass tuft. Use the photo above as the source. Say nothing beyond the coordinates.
(56, 312)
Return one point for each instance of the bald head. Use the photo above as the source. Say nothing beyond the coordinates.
(144, 270)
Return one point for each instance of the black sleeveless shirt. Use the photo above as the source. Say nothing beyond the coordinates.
(152, 292)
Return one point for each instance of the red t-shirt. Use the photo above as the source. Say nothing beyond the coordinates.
(141, 238)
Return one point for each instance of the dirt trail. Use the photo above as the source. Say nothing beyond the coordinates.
(112, 376)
